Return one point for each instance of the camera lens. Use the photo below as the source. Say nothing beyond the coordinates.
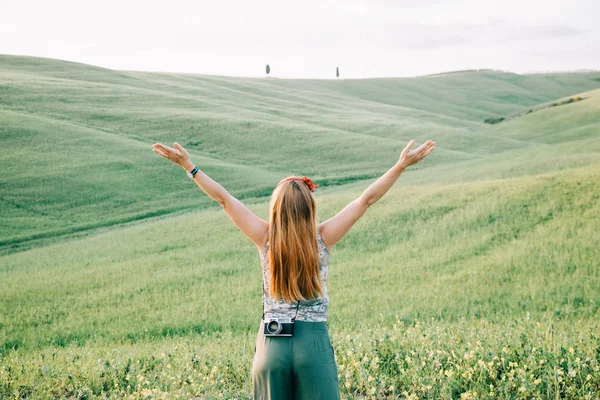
(274, 327)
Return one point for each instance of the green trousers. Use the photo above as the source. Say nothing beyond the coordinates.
(298, 367)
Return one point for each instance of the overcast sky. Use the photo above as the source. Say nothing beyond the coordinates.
(308, 39)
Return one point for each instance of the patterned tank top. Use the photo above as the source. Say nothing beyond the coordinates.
(315, 310)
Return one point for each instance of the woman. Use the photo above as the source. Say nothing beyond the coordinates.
(297, 362)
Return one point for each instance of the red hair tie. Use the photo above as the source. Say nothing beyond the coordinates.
(307, 181)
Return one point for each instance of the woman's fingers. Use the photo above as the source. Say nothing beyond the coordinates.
(178, 147)
(159, 147)
(164, 148)
(178, 156)
(409, 157)
(171, 152)
(160, 152)
(179, 152)
(428, 150)
(425, 149)
(428, 145)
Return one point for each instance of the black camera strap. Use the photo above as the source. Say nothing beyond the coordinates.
(297, 307)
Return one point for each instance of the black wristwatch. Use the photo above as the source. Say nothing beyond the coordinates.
(193, 172)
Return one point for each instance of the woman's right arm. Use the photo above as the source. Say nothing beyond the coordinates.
(337, 226)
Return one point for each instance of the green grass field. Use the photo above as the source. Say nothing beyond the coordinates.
(476, 276)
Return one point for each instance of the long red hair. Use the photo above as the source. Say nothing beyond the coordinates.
(293, 253)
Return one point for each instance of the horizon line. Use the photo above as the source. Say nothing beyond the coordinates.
(580, 70)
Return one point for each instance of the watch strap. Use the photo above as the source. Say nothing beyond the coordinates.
(194, 171)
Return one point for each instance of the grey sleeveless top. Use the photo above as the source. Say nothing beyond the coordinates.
(314, 310)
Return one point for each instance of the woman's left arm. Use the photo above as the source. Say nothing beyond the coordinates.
(180, 156)
(252, 226)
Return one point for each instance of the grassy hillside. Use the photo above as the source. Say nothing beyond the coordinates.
(80, 136)
(486, 249)
(475, 276)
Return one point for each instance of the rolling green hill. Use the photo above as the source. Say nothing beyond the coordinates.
(476, 275)
(79, 137)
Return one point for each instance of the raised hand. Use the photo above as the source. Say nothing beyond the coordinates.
(410, 157)
(178, 155)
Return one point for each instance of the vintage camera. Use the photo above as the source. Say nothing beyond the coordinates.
(278, 327)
